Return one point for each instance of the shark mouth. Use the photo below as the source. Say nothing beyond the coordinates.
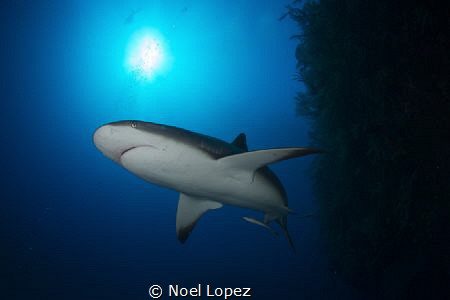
(126, 150)
(134, 147)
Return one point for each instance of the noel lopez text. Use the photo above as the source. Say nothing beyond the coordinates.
(156, 291)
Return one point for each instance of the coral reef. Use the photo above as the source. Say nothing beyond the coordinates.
(377, 91)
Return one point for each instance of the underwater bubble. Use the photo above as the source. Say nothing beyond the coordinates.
(146, 55)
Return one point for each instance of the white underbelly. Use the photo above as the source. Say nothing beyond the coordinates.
(193, 172)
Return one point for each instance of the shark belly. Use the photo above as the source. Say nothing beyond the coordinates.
(168, 164)
(192, 172)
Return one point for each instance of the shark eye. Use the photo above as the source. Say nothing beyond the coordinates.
(133, 124)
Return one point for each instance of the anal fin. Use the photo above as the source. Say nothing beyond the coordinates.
(189, 211)
(254, 221)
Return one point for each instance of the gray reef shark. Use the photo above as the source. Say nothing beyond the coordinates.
(207, 172)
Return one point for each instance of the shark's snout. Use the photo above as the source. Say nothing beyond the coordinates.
(103, 140)
(116, 138)
(111, 141)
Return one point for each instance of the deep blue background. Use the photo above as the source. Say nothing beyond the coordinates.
(74, 225)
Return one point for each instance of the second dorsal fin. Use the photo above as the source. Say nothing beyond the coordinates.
(241, 141)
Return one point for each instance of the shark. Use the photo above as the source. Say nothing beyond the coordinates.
(206, 171)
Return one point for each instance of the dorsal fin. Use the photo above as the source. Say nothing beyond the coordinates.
(241, 141)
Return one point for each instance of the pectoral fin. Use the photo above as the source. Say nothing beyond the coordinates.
(189, 210)
(242, 166)
(253, 160)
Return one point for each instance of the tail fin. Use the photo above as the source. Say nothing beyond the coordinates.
(283, 224)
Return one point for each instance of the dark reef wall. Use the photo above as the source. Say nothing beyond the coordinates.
(377, 78)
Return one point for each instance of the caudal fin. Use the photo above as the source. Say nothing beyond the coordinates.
(283, 224)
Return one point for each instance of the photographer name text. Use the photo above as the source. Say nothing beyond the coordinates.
(199, 291)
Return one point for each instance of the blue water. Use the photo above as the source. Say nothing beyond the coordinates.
(74, 224)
